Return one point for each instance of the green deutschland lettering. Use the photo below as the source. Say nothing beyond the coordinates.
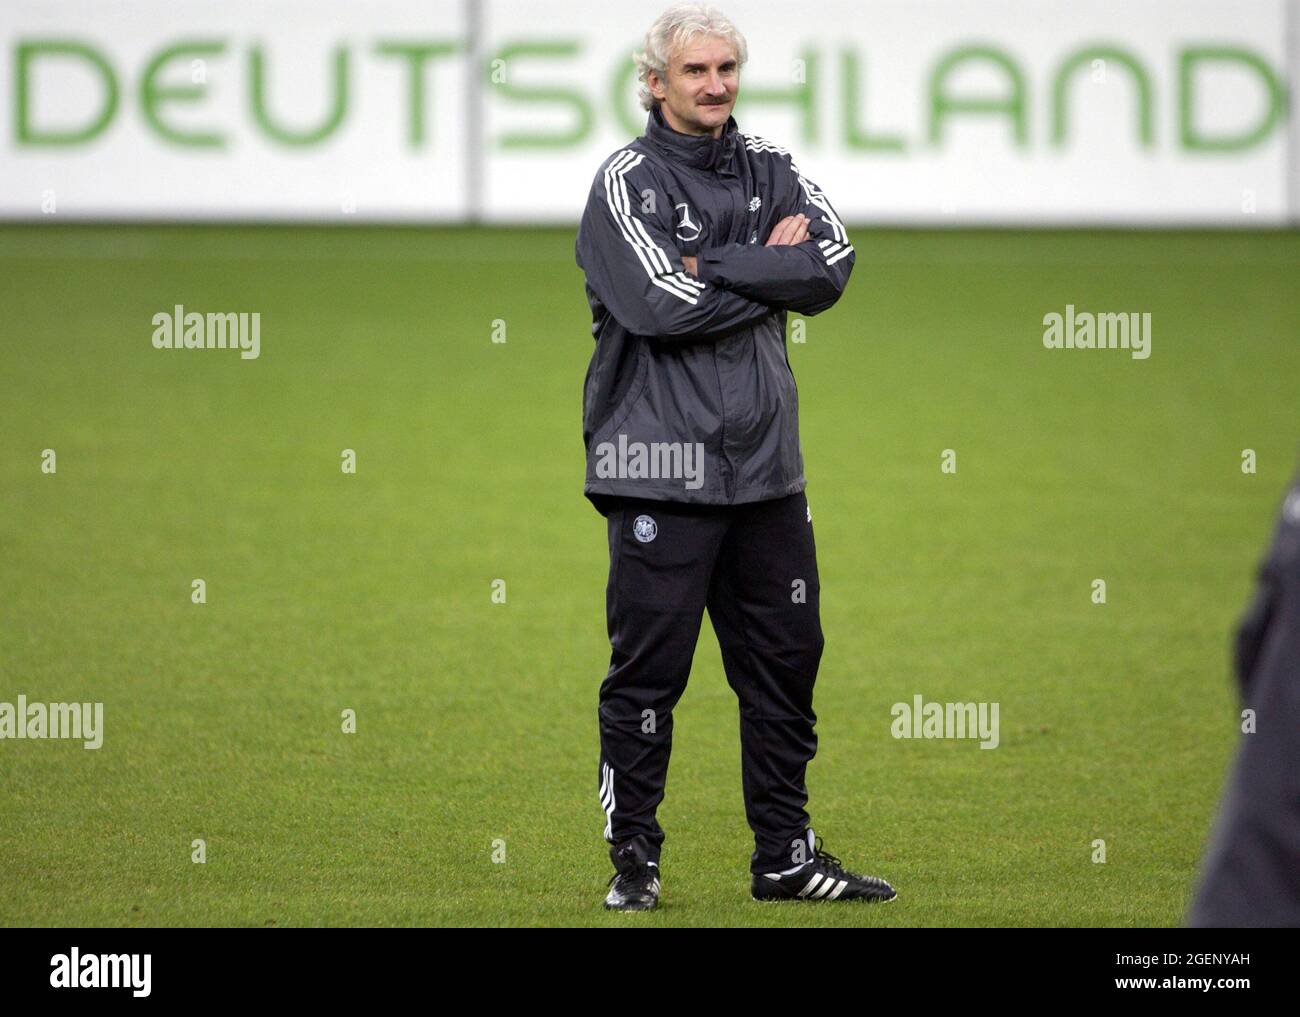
(416, 55)
(945, 103)
(1101, 58)
(327, 126)
(499, 79)
(154, 95)
(159, 89)
(516, 76)
(1198, 56)
(25, 56)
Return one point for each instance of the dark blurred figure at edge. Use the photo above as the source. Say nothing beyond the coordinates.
(1251, 872)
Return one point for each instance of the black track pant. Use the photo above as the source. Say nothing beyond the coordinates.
(755, 568)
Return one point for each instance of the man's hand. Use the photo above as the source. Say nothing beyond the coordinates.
(790, 230)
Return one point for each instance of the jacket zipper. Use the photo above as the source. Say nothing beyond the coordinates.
(729, 477)
(737, 219)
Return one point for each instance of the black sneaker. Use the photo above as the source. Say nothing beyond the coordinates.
(822, 878)
(636, 881)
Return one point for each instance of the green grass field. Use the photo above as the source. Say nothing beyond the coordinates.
(476, 722)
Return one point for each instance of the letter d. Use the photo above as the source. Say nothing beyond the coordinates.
(25, 58)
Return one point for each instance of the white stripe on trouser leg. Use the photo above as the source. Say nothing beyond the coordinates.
(605, 796)
(817, 878)
(839, 889)
(607, 799)
(612, 802)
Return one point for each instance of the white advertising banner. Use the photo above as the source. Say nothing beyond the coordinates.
(1014, 112)
(237, 109)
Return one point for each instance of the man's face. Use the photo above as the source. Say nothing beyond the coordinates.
(703, 79)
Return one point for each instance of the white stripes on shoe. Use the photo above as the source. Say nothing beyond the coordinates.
(607, 798)
(820, 886)
(652, 257)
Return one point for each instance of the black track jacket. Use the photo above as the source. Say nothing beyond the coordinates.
(689, 396)
(1251, 872)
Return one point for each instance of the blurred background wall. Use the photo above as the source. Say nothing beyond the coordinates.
(1003, 112)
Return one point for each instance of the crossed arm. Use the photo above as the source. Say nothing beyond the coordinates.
(634, 268)
(793, 229)
(803, 267)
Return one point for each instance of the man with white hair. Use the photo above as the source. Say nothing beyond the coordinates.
(696, 241)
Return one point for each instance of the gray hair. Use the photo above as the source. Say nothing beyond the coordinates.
(674, 28)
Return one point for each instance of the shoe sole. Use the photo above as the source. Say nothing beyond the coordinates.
(818, 900)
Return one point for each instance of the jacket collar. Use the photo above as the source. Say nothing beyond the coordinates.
(697, 151)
